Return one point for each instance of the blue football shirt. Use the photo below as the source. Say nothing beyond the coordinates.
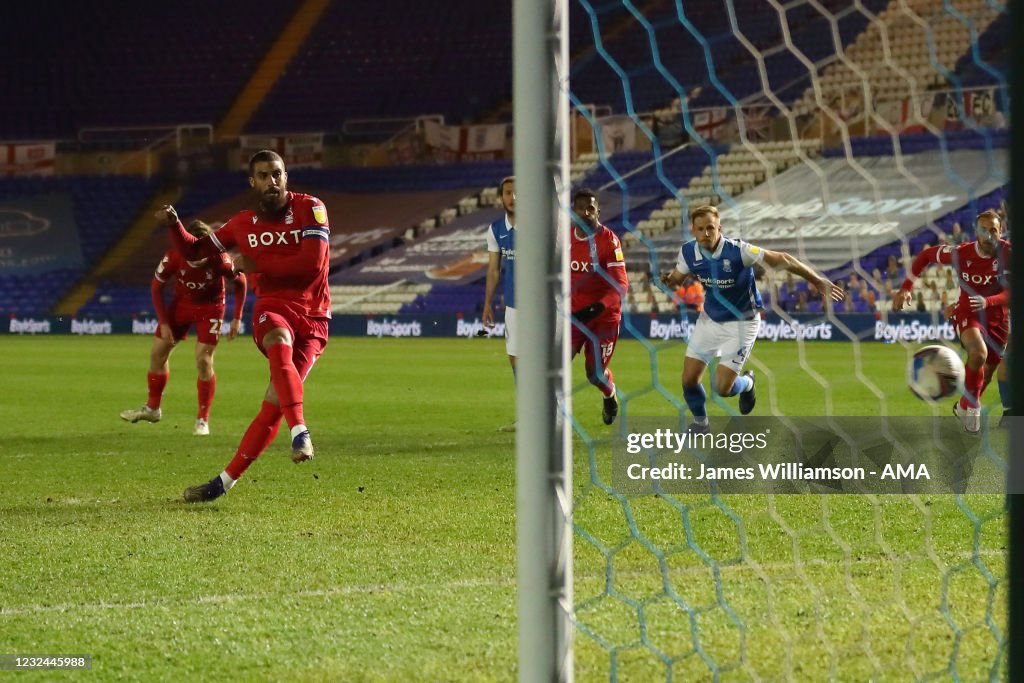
(730, 292)
(501, 238)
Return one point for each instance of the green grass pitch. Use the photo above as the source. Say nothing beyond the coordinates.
(391, 556)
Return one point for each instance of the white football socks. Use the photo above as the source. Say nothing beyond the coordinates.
(226, 480)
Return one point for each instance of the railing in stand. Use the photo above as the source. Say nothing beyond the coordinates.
(152, 139)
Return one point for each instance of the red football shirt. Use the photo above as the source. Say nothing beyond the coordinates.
(977, 275)
(598, 273)
(195, 285)
(290, 249)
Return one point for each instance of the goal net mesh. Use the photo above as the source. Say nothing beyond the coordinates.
(851, 134)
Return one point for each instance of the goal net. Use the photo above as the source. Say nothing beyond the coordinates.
(851, 134)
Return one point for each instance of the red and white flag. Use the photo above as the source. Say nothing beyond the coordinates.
(758, 122)
(38, 158)
(708, 123)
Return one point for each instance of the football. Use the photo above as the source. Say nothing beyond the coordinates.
(935, 372)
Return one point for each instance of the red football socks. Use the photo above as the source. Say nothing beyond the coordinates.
(258, 436)
(287, 383)
(973, 381)
(156, 382)
(206, 388)
(607, 388)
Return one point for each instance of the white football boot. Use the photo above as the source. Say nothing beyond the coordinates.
(970, 417)
(202, 427)
(144, 413)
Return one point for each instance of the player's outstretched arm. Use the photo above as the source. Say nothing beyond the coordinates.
(901, 297)
(672, 280)
(940, 254)
(191, 247)
(826, 288)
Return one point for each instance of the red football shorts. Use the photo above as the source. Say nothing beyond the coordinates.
(599, 343)
(309, 335)
(994, 324)
(207, 318)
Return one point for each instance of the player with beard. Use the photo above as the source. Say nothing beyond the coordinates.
(285, 243)
(501, 266)
(981, 315)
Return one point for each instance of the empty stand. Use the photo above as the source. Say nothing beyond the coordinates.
(465, 299)
(393, 298)
(129, 64)
(911, 47)
(102, 207)
(698, 47)
(401, 58)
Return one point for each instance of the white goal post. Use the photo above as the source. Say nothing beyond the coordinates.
(543, 392)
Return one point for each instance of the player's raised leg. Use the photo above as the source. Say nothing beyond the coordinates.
(310, 341)
(288, 385)
(264, 427)
(283, 338)
(729, 383)
(156, 379)
(206, 386)
(730, 378)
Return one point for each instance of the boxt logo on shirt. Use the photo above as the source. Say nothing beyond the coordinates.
(275, 237)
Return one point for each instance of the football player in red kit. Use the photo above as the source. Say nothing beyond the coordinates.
(285, 243)
(198, 300)
(598, 283)
(981, 315)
